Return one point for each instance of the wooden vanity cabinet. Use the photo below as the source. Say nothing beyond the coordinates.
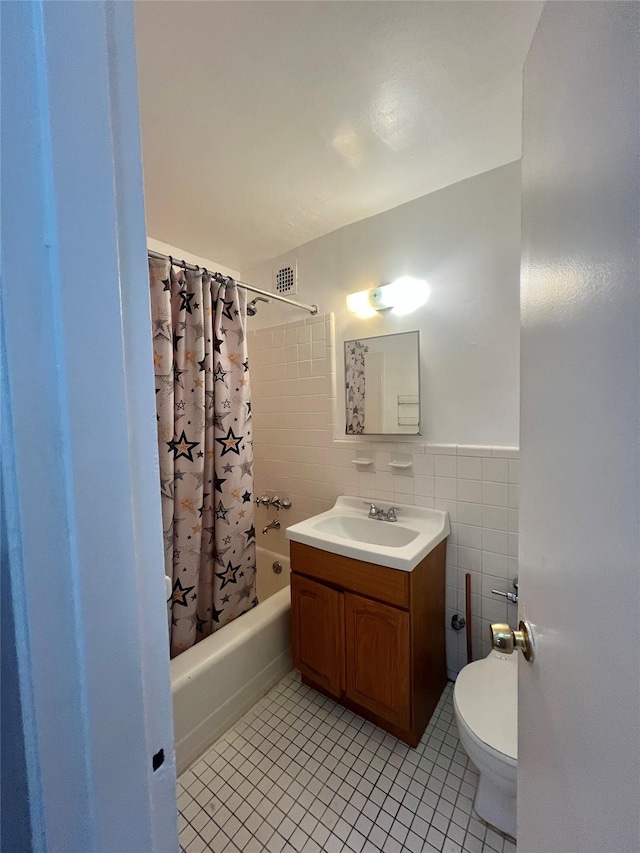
(317, 621)
(371, 637)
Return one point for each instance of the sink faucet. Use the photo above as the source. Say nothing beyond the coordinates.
(273, 525)
(381, 514)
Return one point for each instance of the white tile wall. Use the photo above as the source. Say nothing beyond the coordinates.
(296, 455)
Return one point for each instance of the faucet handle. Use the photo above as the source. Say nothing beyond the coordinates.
(285, 503)
(373, 509)
(391, 513)
(510, 596)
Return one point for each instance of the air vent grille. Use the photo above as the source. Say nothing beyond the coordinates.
(285, 279)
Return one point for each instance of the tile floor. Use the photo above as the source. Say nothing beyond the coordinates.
(301, 774)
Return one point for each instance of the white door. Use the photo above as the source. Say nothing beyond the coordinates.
(83, 532)
(579, 701)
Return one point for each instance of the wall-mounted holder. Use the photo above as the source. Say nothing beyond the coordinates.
(362, 463)
(400, 466)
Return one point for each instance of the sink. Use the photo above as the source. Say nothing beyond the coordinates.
(362, 530)
(346, 530)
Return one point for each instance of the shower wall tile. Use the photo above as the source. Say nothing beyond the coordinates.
(297, 456)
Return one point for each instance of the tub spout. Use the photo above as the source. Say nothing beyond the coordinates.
(273, 525)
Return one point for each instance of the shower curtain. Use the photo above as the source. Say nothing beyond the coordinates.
(206, 451)
(354, 380)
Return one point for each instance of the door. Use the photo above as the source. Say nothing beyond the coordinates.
(80, 493)
(579, 703)
(378, 658)
(317, 628)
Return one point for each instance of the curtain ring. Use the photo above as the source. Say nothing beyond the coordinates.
(184, 265)
(170, 260)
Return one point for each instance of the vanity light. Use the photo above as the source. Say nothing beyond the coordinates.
(402, 296)
(358, 304)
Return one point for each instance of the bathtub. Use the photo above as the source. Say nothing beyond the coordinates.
(214, 683)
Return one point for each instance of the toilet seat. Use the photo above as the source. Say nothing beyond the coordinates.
(486, 699)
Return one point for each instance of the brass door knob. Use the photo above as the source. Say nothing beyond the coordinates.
(504, 640)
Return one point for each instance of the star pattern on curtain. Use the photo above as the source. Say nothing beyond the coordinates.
(204, 421)
(182, 446)
(230, 443)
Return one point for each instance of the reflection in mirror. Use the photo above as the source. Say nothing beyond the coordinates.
(383, 385)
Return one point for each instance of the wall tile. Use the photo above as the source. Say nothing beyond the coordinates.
(495, 517)
(445, 466)
(318, 332)
(424, 486)
(496, 494)
(469, 513)
(402, 484)
(470, 491)
(469, 536)
(505, 452)
(473, 450)
(495, 540)
(495, 470)
(495, 564)
(423, 464)
(445, 487)
(469, 467)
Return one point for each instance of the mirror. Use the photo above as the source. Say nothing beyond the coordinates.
(382, 381)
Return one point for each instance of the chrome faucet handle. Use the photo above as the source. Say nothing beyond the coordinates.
(391, 513)
(510, 596)
(265, 499)
(373, 509)
(285, 503)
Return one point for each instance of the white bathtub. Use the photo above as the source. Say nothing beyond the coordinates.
(218, 680)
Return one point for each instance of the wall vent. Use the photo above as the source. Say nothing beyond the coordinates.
(285, 279)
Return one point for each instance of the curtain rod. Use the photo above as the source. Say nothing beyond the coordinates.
(312, 309)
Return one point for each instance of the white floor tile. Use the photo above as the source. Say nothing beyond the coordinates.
(301, 774)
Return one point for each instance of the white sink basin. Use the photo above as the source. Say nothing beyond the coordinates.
(347, 530)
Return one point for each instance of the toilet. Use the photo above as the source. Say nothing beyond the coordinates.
(485, 702)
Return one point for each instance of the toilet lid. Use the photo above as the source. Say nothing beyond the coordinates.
(486, 695)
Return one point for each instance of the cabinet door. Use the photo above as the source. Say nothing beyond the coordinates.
(317, 626)
(378, 658)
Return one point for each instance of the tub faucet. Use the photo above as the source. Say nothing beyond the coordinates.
(273, 525)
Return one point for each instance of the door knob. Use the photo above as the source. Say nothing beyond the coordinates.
(504, 640)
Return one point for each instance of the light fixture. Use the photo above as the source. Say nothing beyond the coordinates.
(402, 296)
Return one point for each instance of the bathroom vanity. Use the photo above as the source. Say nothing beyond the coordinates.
(369, 635)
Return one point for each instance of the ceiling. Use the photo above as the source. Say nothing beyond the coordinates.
(267, 124)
